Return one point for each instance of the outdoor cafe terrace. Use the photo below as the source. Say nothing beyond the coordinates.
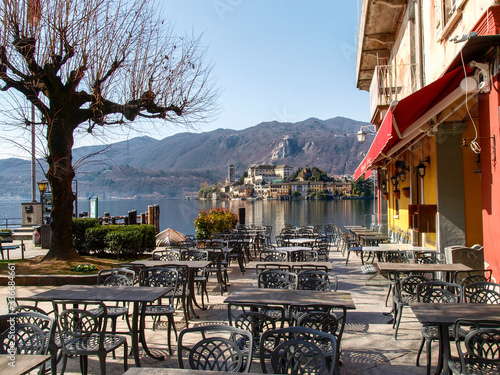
(362, 264)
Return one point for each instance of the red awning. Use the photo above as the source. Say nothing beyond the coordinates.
(384, 135)
(407, 111)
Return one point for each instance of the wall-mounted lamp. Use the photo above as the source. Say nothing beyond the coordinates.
(394, 179)
(361, 134)
(421, 166)
(383, 186)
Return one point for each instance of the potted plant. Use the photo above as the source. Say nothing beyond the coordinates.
(397, 194)
(386, 195)
(406, 192)
(213, 221)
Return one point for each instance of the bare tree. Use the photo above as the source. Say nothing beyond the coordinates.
(91, 65)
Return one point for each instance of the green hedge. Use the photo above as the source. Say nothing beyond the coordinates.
(79, 228)
(118, 240)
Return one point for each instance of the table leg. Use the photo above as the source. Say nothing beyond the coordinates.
(135, 334)
(192, 297)
(444, 350)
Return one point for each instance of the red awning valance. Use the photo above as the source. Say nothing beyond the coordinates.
(406, 113)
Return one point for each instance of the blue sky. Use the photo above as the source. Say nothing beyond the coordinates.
(278, 60)
(284, 60)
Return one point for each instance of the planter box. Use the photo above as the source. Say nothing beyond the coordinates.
(406, 192)
(397, 194)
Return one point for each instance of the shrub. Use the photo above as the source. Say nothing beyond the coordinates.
(120, 240)
(79, 228)
(213, 221)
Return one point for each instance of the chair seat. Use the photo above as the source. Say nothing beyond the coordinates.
(90, 344)
(407, 299)
(159, 310)
(111, 311)
(116, 311)
(431, 332)
(473, 367)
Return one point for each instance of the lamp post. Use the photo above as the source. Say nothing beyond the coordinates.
(42, 186)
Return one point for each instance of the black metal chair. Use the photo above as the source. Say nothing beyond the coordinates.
(298, 268)
(272, 266)
(194, 254)
(327, 322)
(323, 251)
(117, 277)
(479, 351)
(481, 292)
(159, 277)
(297, 350)
(273, 256)
(256, 323)
(167, 254)
(54, 342)
(217, 267)
(83, 333)
(303, 256)
(215, 348)
(277, 279)
(317, 280)
(28, 333)
(406, 292)
(472, 276)
(435, 292)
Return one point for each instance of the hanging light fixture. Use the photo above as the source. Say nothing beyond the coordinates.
(394, 179)
(361, 134)
(421, 166)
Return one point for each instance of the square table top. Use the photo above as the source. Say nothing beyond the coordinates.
(169, 371)
(291, 297)
(448, 313)
(397, 247)
(421, 267)
(301, 240)
(165, 263)
(102, 293)
(23, 363)
(253, 264)
(292, 248)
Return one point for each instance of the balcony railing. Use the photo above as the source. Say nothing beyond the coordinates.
(391, 82)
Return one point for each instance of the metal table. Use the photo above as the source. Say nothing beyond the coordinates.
(254, 264)
(448, 268)
(133, 294)
(302, 241)
(445, 314)
(23, 363)
(288, 297)
(169, 371)
(192, 265)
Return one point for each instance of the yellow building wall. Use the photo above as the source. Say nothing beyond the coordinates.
(473, 194)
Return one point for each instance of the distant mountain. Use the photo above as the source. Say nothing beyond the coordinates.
(178, 164)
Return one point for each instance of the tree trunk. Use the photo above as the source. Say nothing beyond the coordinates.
(60, 177)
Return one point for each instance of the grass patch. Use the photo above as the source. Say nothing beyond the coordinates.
(35, 266)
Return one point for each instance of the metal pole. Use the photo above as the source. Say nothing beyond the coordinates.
(33, 156)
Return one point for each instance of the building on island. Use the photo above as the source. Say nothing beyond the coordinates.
(230, 174)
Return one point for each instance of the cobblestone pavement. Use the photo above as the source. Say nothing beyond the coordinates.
(368, 344)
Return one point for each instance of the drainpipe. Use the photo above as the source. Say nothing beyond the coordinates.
(419, 44)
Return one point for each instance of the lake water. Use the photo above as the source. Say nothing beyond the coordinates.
(179, 214)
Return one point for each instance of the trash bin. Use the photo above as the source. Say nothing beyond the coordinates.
(37, 238)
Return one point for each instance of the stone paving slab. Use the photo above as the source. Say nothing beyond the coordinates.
(368, 344)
